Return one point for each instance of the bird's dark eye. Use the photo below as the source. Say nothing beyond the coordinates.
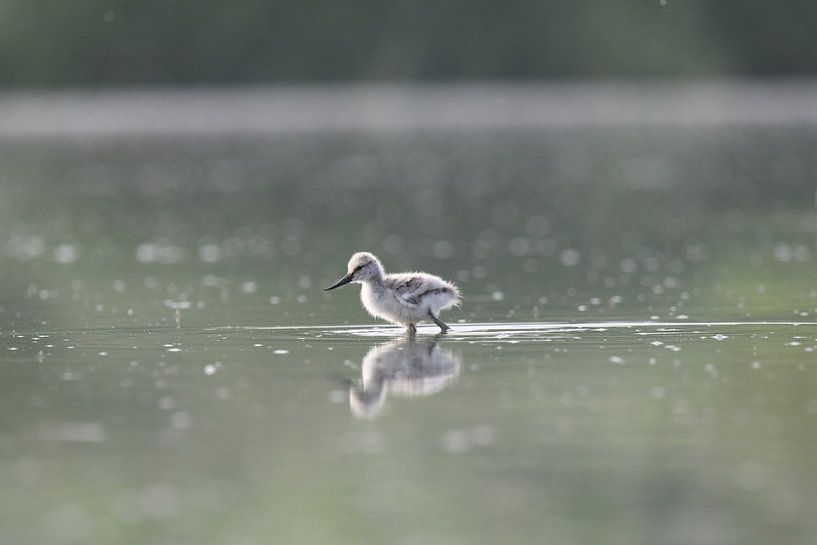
(357, 269)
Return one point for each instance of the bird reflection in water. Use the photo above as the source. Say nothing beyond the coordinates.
(407, 367)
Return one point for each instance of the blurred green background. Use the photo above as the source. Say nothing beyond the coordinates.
(52, 43)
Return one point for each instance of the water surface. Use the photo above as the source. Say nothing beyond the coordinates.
(634, 362)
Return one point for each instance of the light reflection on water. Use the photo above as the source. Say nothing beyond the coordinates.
(529, 331)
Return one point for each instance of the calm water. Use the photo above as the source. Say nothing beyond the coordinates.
(634, 363)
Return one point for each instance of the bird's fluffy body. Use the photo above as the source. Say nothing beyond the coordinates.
(407, 298)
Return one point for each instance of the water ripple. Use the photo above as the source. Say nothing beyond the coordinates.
(512, 332)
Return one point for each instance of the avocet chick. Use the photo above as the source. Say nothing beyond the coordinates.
(403, 299)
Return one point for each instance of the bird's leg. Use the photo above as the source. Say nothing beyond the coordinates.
(442, 325)
(411, 329)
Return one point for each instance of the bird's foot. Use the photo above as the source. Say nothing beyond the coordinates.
(444, 328)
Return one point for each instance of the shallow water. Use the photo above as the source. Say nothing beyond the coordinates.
(634, 362)
(637, 432)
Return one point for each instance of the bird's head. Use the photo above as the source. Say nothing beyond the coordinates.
(362, 266)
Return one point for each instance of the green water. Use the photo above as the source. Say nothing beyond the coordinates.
(634, 362)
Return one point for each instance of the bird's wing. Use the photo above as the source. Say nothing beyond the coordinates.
(407, 288)
(411, 288)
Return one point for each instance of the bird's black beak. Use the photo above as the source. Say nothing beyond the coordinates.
(342, 282)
